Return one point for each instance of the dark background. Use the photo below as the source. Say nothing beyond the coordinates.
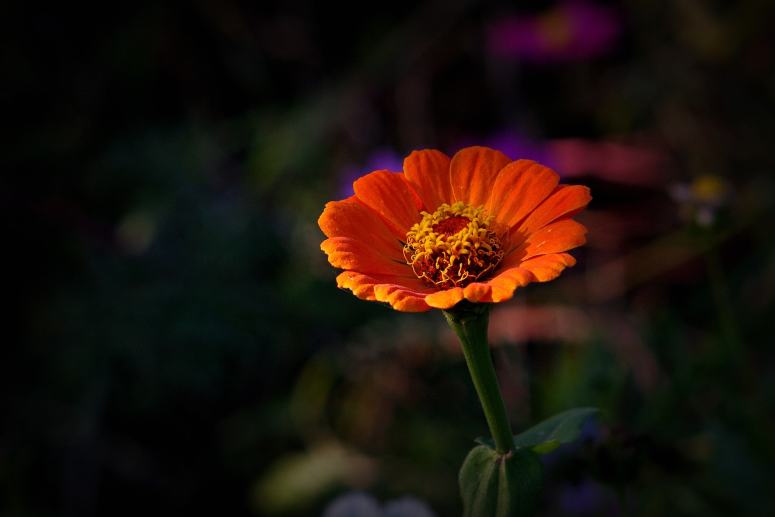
(175, 342)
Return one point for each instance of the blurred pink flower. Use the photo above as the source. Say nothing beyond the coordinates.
(631, 164)
(571, 30)
(513, 324)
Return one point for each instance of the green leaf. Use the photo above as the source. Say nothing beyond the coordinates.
(500, 485)
(557, 430)
(551, 433)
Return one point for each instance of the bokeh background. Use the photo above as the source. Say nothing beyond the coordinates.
(175, 342)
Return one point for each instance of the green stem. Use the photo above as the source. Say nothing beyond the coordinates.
(469, 321)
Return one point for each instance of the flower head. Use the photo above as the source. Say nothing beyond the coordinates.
(455, 245)
(475, 227)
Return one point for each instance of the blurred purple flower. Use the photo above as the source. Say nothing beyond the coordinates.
(587, 498)
(381, 158)
(359, 504)
(571, 30)
(517, 146)
(513, 143)
(408, 507)
(353, 504)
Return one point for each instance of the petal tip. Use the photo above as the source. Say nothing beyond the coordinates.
(445, 299)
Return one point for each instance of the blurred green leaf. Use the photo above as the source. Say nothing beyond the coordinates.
(557, 430)
(550, 434)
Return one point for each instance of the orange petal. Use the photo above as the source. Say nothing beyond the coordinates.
(478, 292)
(445, 299)
(564, 202)
(361, 285)
(347, 253)
(472, 173)
(366, 286)
(400, 298)
(561, 235)
(427, 172)
(350, 218)
(518, 189)
(507, 281)
(548, 267)
(390, 196)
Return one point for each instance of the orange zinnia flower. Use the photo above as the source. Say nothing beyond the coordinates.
(475, 227)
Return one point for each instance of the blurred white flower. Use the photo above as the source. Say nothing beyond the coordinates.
(701, 199)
